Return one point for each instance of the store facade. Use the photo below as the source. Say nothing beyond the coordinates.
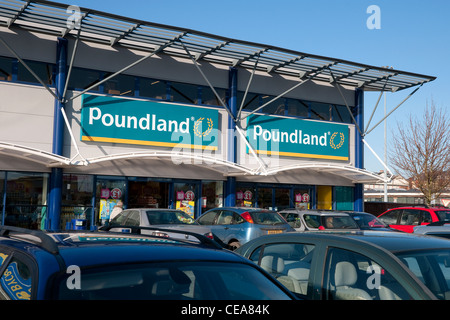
(98, 120)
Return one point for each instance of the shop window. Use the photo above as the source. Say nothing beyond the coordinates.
(76, 198)
(340, 114)
(324, 198)
(209, 98)
(148, 194)
(45, 71)
(212, 195)
(186, 195)
(302, 199)
(6, 68)
(297, 108)
(26, 199)
(245, 196)
(122, 85)
(251, 101)
(184, 93)
(276, 107)
(265, 198)
(344, 198)
(282, 199)
(150, 88)
(321, 111)
(81, 79)
(109, 191)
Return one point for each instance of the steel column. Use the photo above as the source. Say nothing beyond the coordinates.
(359, 147)
(55, 194)
(230, 191)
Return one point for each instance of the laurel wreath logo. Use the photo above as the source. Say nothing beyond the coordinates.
(204, 133)
(341, 142)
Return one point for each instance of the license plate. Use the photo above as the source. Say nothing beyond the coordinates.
(274, 231)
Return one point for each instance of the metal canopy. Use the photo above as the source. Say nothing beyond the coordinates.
(52, 18)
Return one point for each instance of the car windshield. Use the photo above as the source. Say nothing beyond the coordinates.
(443, 214)
(366, 221)
(266, 217)
(432, 267)
(196, 280)
(169, 217)
(330, 221)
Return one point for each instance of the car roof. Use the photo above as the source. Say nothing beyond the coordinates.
(118, 248)
(243, 209)
(85, 247)
(391, 241)
(316, 212)
(421, 208)
(152, 209)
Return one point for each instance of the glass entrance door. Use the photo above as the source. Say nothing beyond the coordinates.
(186, 197)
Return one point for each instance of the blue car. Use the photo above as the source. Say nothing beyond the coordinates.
(235, 226)
(79, 265)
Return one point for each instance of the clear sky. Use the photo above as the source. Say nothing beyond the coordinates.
(414, 36)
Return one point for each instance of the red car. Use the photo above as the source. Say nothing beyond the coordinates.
(406, 218)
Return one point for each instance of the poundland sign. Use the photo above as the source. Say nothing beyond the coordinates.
(118, 120)
(298, 138)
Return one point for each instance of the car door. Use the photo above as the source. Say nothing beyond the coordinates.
(410, 218)
(291, 263)
(17, 276)
(391, 218)
(351, 275)
(229, 226)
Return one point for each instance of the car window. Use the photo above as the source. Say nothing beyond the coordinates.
(365, 221)
(443, 214)
(207, 218)
(198, 280)
(168, 217)
(293, 219)
(226, 217)
(266, 217)
(133, 219)
(390, 217)
(312, 220)
(426, 217)
(432, 268)
(120, 218)
(410, 217)
(353, 276)
(289, 263)
(15, 282)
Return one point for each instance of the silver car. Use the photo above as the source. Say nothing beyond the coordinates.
(437, 229)
(159, 218)
(306, 220)
(235, 226)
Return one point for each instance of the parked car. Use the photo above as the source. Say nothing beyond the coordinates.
(307, 220)
(406, 218)
(80, 265)
(358, 265)
(437, 229)
(235, 226)
(367, 221)
(159, 218)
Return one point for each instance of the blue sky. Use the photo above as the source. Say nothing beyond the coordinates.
(414, 36)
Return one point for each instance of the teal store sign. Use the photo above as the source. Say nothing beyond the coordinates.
(151, 123)
(298, 138)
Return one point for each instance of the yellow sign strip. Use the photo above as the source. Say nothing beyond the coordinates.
(300, 155)
(147, 143)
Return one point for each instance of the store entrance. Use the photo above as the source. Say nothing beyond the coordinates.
(148, 194)
(274, 197)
